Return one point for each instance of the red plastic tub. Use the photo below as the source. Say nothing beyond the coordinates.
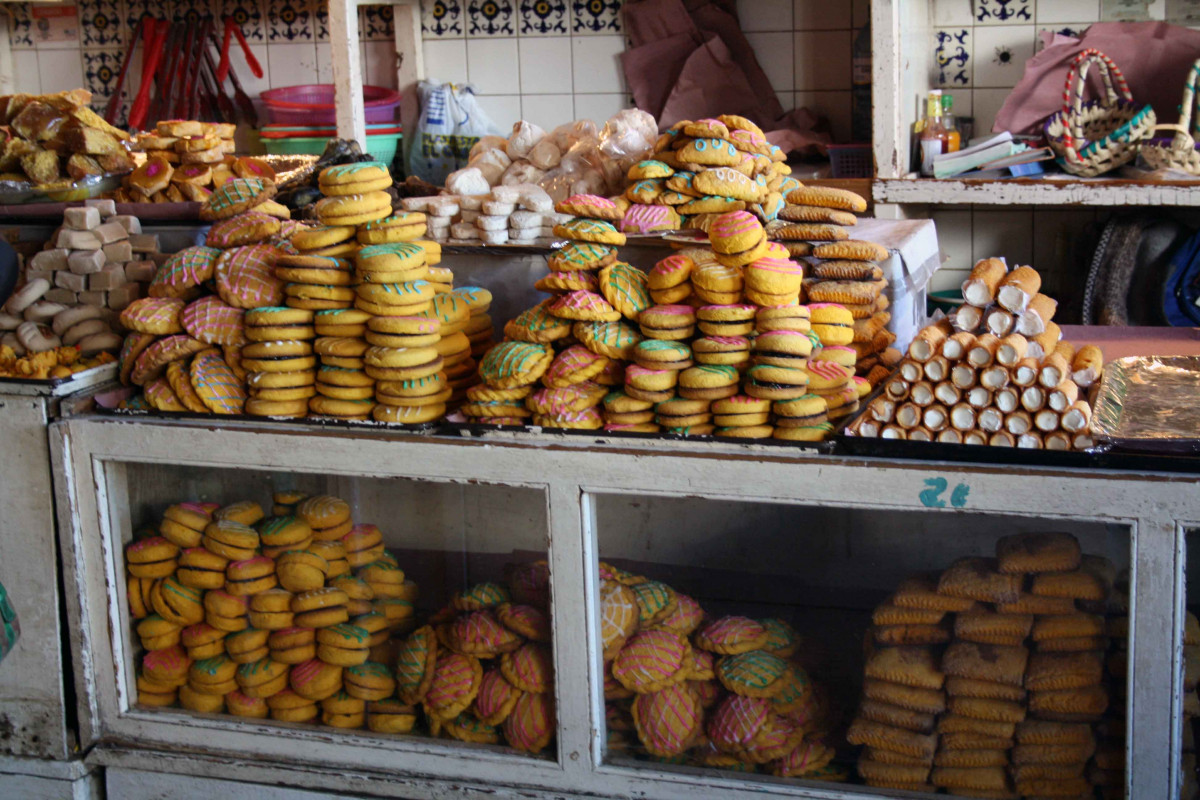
(312, 104)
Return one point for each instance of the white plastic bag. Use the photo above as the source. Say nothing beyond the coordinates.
(451, 123)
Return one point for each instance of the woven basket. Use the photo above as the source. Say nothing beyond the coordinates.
(1180, 151)
(1098, 136)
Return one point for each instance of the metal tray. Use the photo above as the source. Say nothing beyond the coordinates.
(1150, 404)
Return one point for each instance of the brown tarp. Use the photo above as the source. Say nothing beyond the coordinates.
(688, 59)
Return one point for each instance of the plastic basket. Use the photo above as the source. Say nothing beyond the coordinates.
(382, 147)
(852, 160)
(312, 104)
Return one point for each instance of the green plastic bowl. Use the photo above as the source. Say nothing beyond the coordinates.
(947, 301)
(381, 147)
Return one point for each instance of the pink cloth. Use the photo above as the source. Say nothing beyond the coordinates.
(1154, 56)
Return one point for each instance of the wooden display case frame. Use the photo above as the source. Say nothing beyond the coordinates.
(1155, 508)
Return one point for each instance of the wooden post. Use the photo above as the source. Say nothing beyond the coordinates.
(347, 71)
(410, 66)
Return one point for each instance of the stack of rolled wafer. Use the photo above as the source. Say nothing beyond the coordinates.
(989, 681)
(1009, 381)
(815, 224)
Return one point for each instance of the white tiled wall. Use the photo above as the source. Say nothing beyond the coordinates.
(982, 46)
(551, 62)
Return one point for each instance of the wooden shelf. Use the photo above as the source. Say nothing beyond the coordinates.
(1043, 192)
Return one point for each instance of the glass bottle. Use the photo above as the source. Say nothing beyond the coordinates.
(934, 137)
(954, 143)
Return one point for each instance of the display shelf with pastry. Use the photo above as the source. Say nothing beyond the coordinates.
(999, 675)
(298, 611)
(750, 532)
(56, 148)
(64, 317)
(996, 371)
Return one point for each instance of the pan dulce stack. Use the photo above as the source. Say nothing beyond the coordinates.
(996, 372)
(989, 679)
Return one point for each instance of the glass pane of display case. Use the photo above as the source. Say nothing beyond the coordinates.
(1190, 789)
(976, 655)
(380, 606)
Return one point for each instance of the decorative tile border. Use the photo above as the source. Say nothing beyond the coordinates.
(375, 24)
(100, 23)
(542, 17)
(289, 21)
(443, 18)
(490, 18)
(596, 16)
(20, 26)
(952, 55)
(249, 15)
(1003, 12)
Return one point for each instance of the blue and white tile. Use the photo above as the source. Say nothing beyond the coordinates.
(25, 69)
(100, 70)
(493, 65)
(953, 13)
(1004, 12)
(289, 21)
(774, 53)
(1072, 29)
(535, 55)
(599, 107)
(952, 57)
(446, 60)
(320, 18)
(821, 15)
(548, 111)
(63, 71)
(20, 26)
(596, 16)
(1052, 12)
(543, 17)
(191, 11)
(100, 23)
(249, 15)
(1000, 54)
(375, 24)
(443, 19)
(504, 110)
(296, 60)
(765, 15)
(597, 64)
(491, 18)
(379, 64)
(136, 9)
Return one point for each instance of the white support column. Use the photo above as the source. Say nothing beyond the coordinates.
(347, 70)
(410, 64)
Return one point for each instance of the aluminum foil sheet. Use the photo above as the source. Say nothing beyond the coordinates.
(1150, 403)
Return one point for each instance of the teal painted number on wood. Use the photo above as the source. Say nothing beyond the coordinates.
(931, 496)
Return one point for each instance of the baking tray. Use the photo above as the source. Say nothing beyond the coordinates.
(1150, 404)
(57, 387)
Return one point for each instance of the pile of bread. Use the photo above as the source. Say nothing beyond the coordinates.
(996, 371)
(723, 692)
(184, 161)
(71, 292)
(998, 677)
(512, 214)
(54, 139)
(294, 615)
(700, 169)
(574, 158)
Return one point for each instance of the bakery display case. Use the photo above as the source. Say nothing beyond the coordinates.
(764, 644)
(770, 544)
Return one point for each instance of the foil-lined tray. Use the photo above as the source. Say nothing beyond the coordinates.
(1150, 403)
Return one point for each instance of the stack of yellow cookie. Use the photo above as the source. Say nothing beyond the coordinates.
(725, 692)
(296, 616)
(343, 388)
(704, 168)
(480, 328)
(482, 671)
(279, 361)
(815, 224)
(1017, 701)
